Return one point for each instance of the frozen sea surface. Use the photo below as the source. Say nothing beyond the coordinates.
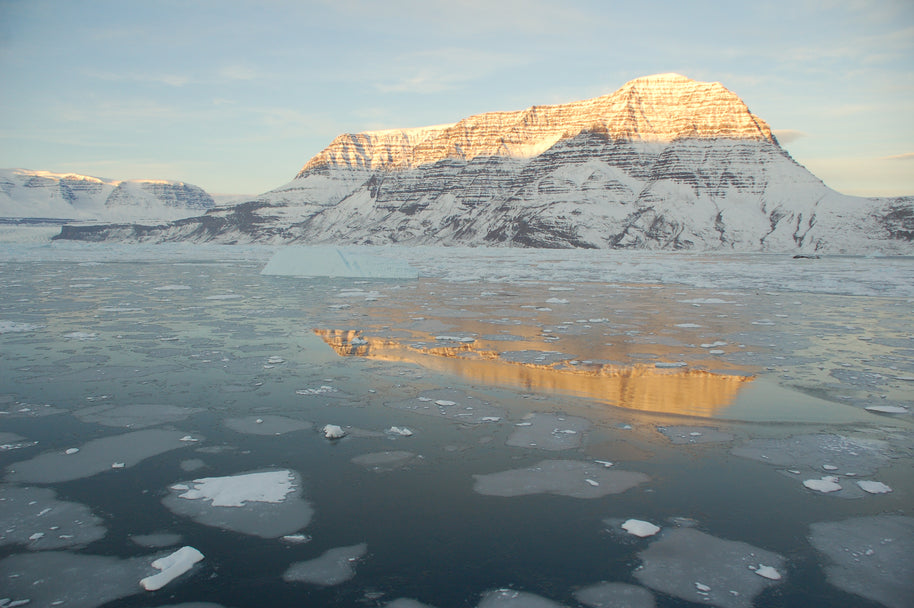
(504, 413)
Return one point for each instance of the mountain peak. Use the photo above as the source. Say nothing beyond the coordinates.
(658, 108)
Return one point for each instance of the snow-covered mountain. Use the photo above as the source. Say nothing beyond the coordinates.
(665, 162)
(42, 194)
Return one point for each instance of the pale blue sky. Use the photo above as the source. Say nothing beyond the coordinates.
(235, 96)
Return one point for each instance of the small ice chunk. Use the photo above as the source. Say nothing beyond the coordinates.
(266, 425)
(702, 588)
(118, 465)
(296, 538)
(171, 566)
(71, 451)
(827, 484)
(768, 572)
(402, 431)
(445, 402)
(333, 431)
(640, 528)
(669, 364)
(332, 568)
(874, 487)
(829, 467)
(550, 432)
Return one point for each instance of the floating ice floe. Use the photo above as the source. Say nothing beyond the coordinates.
(12, 441)
(400, 431)
(640, 528)
(874, 487)
(333, 431)
(872, 557)
(78, 581)
(171, 566)
(508, 598)
(564, 477)
(825, 485)
(35, 518)
(266, 425)
(261, 503)
(694, 434)
(171, 288)
(701, 568)
(136, 416)
(888, 409)
(549, 432)
(332, 568)
(615, 595)
(95, 457)
(384, 461)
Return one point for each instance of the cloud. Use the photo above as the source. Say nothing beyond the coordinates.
(905, 156)
(444, 69)
(172, 80)
(785, 136)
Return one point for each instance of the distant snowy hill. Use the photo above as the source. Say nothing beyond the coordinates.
(665, 162)
(42, 194)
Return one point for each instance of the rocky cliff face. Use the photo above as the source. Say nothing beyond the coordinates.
(665, 162)
(42, 194)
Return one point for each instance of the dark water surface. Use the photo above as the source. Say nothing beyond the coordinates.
(680, 384)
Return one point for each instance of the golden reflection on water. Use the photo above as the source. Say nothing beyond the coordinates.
(683, 391)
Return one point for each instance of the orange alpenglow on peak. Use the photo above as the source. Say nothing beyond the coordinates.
(660, 108)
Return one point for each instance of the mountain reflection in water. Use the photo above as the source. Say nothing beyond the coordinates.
(684, 391)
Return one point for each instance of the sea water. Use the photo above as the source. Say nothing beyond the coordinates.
(497, 428)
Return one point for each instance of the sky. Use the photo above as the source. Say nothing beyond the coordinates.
(235, 96)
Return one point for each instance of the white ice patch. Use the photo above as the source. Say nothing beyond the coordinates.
(888, 409)
(400, 431)
(768, 572)
(562, 477)
(640, 528)
(872, 557)
(267, 504)
(549, 432)
(825, 485)
(700, 568)
(95, 457)
(874, 487)
(332, 568)
(325, 261)
(333, 431)
(171, 288)
(171, 566)
(80, 335)
(235, 491)
(615, 595)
